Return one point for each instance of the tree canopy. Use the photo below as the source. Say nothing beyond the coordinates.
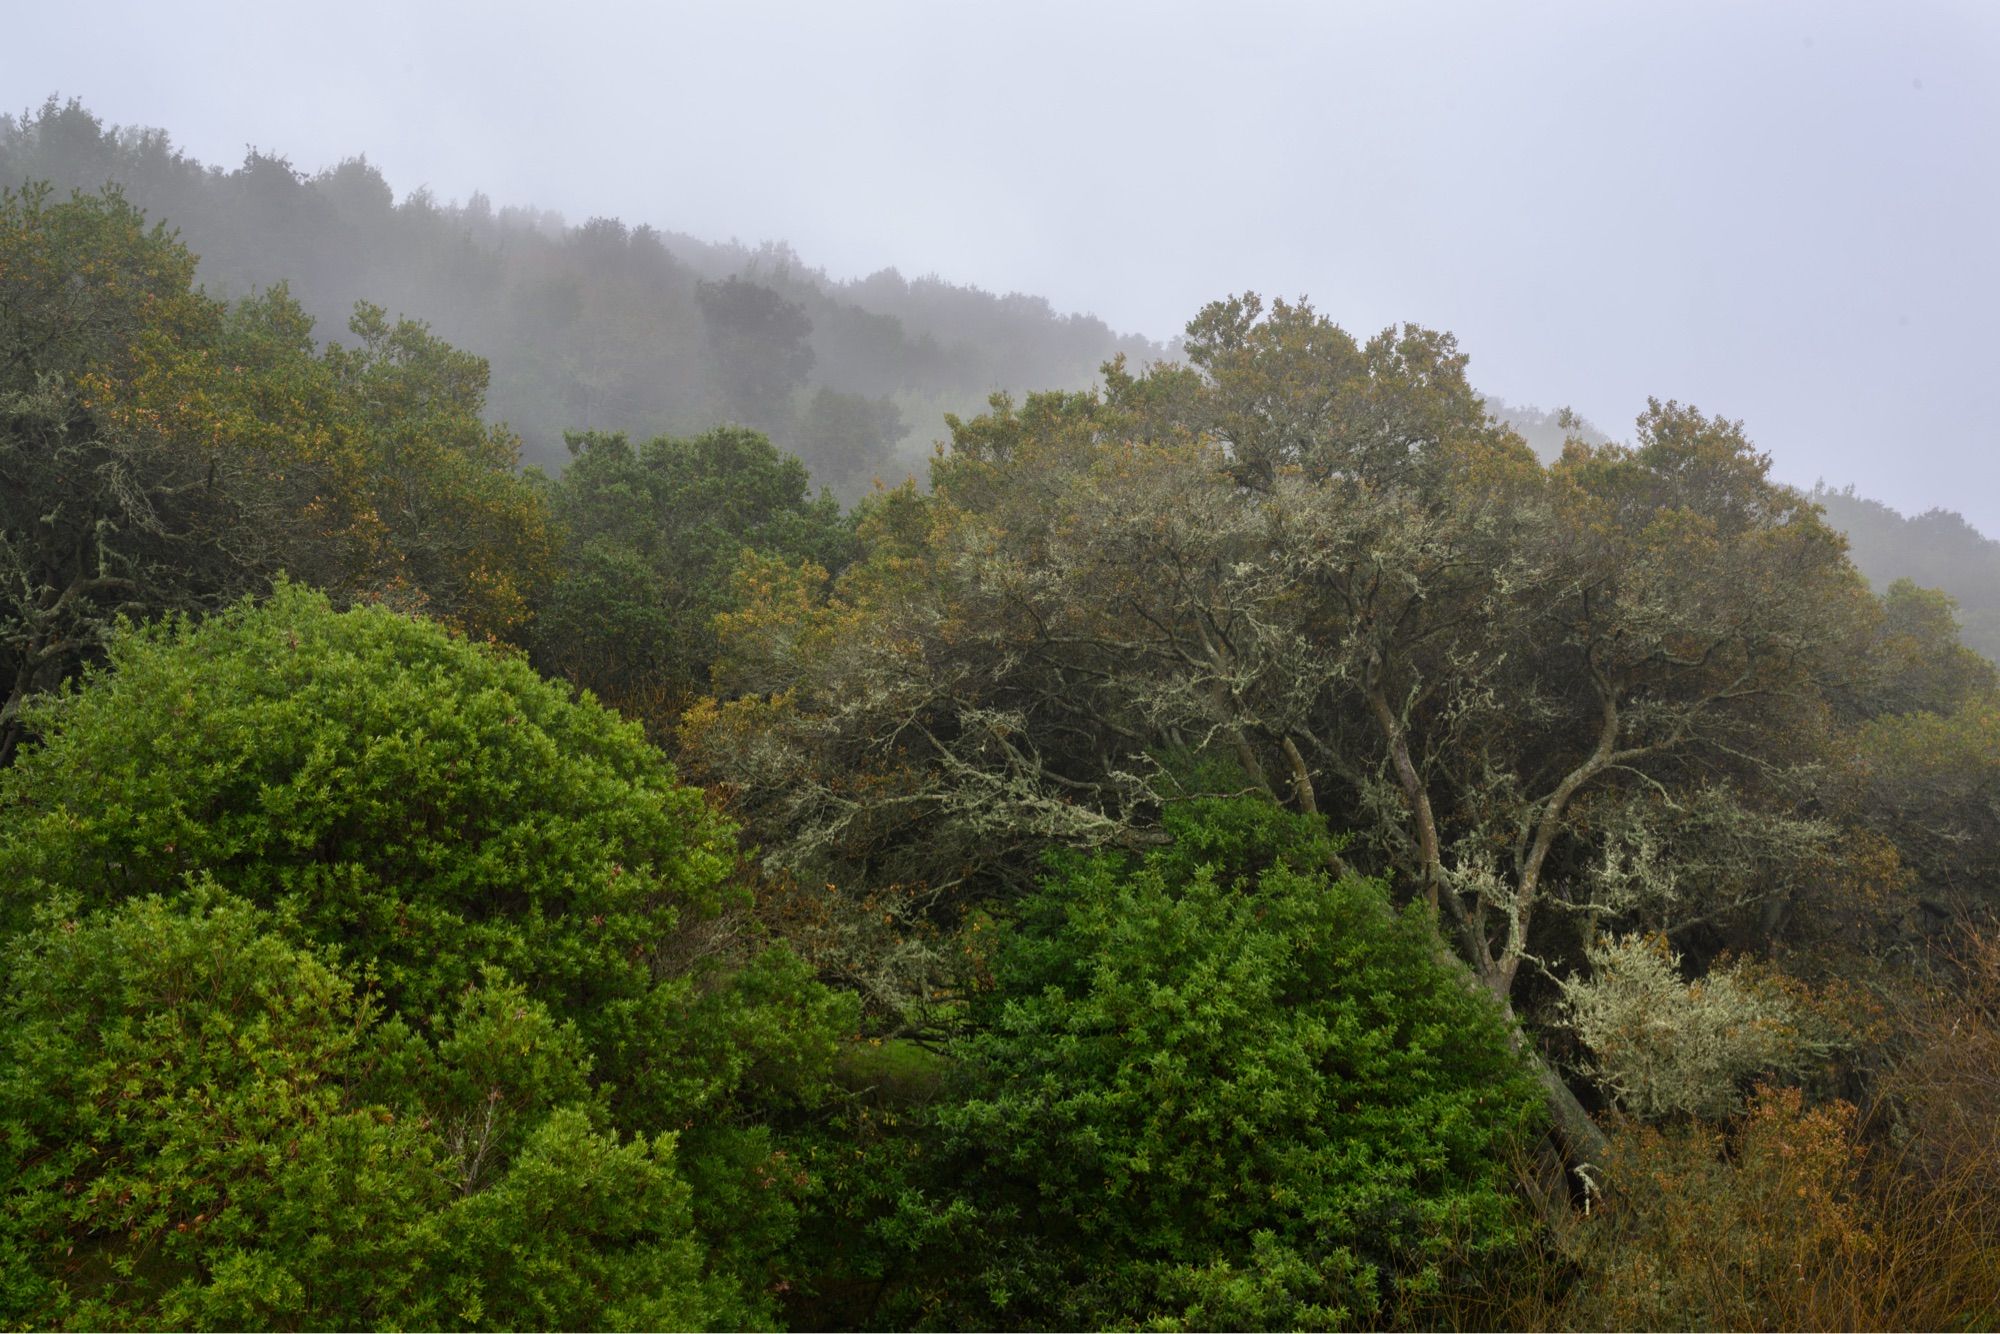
(1318, 558)
(164, 452)
(1252, 844)
(450, 824)
(1218, 1087)
(652, 536)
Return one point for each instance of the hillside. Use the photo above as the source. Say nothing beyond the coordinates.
(1936, 549)
(1248, 848)
(601, 326)
(593, 326)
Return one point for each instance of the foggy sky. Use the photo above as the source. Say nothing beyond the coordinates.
(1783, 213)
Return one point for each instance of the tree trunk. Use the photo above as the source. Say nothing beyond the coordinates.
(1577, 1135)
(1302, 783)
(1583, 1144)
(1429, 850)
(10, 717)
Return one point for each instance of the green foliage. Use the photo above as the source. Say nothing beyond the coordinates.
(471, 834)
(1930, 782)
(409, 796)
(1220, 1088)
(355, 975)
(1924, 755)
(1316, 557)
(584, 1232)
(452, 530)
(159, 452)
(1922, 664)
(199, 1129)
(653, 535)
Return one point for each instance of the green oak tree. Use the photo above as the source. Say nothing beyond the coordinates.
(1318, 557)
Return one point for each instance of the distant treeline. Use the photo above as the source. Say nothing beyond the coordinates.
(1938, 549)
(609, 328)
(598, 326)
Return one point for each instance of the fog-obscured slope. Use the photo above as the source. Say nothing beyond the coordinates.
(601, 326)
(1937, 549)
(1544, 429)
(595, 326)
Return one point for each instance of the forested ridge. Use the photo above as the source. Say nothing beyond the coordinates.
(594, 325)
(1248, 839)
(597, 326)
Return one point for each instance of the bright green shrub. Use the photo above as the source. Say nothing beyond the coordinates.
(1221, 1088)
(200, 1127)
(585, 1232)
(466, 832)
(414, 798)
(421, 802)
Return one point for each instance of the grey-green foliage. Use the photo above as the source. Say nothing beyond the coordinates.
(1316, 557)
(1662, 1046)
(845, 438)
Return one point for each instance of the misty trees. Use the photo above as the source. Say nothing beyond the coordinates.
(597, 326)
(1937, 549)
(763, 349)
(161, 452)
(652, 535)
(1318, 558)
(1511, 666)
(846, 439)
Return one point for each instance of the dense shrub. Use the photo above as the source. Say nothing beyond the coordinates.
(441, 816)
(203, 1125)
(1219, 1087)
